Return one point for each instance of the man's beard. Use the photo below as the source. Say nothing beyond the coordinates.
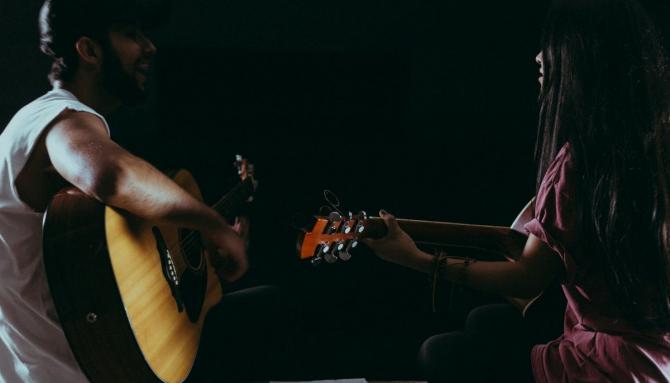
(118, 82)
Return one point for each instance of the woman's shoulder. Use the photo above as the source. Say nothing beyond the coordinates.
(561, 170)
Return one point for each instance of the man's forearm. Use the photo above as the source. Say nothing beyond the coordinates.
(142, 190)
(82, 153)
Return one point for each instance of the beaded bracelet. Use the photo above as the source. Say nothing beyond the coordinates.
(439, 263)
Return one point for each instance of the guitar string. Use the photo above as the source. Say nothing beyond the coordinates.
(189, 242)
(189, 239)
(186, 244)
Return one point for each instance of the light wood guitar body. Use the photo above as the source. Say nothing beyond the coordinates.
(131, 296)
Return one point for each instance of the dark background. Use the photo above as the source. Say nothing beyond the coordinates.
(426, 109)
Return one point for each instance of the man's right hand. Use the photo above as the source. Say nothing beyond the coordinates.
(228, 252)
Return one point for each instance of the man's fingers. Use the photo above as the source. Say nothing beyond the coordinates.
(229, 275)
(228, 267)
(241, 226)
(232, 271)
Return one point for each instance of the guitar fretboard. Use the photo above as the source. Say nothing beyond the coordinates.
(234, 199)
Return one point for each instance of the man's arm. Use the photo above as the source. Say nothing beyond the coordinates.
(83, 154)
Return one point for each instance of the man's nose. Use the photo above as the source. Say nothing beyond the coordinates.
(149, 47)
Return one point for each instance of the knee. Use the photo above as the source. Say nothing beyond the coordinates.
(494, 319)
(269, 299)
(447, 358)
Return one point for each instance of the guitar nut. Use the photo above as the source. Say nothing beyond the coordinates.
(91, 317)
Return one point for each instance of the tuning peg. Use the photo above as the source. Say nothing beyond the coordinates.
(344, 256)
(322, 252)
(333, 219)
(321, 249)
(335, 253)
(238, 163)
(330, 257)
(345, 251)
(360, 225)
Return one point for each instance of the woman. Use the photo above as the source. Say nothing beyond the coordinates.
(602, 216)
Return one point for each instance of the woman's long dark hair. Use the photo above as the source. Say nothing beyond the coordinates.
(605, 92)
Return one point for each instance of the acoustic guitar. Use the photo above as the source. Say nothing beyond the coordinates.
(333, 237)
(131, 295)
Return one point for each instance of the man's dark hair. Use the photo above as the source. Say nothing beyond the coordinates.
(63, 22)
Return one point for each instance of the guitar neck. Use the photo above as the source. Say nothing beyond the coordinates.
(231, 203)
(497, 239)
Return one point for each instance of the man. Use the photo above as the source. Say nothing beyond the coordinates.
(101, 56)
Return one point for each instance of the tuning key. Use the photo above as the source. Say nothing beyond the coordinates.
(330, 257)
(333, 222)
(316, 261)
(336, 252)
(321, 250)
(345, 250)
(360, 227)
(350, 218)
(318, 254)
(344, 255)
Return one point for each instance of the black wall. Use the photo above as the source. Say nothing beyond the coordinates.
(425, 108)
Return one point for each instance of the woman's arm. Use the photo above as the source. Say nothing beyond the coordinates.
(535, 268)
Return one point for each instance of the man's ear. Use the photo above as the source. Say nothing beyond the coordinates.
(89, 50)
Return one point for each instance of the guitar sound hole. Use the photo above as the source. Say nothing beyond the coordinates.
(191, 248)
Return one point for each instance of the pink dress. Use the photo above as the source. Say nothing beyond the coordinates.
(595, 346)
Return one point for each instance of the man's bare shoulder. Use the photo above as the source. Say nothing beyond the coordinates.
(72, 123)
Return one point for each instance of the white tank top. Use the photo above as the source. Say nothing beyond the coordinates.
(33, 347)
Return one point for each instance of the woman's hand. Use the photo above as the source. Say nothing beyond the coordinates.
(398, 247)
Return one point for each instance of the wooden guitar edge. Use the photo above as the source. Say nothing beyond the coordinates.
(85, 293)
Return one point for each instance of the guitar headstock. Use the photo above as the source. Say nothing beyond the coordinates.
(245, 170)
(333, 237)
